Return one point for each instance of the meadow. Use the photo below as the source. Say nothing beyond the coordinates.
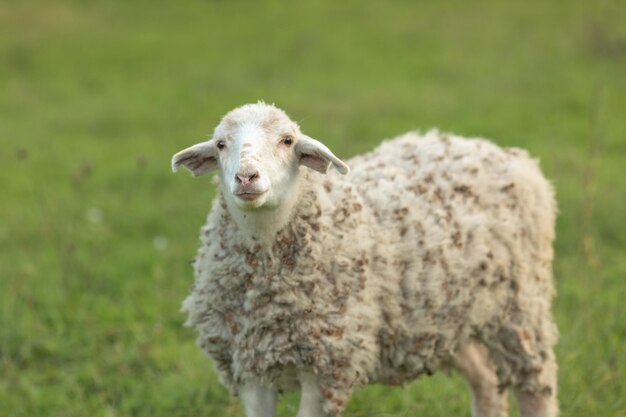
(96, 234)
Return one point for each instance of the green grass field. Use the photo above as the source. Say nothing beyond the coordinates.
(96, 234)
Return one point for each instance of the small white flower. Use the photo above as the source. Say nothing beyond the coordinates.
(160, 243)
(94, 215)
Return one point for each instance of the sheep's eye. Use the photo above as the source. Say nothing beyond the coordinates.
(287, 140)
(221, 145)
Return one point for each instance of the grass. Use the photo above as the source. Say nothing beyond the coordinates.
(96, 234)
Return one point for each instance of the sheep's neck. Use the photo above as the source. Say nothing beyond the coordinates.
(262, 226)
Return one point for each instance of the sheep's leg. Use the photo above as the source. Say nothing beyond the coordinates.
(540, 402)
(536, 404)
(310, 397)
(472, 361)
(258, 401)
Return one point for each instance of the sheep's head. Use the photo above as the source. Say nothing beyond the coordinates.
(257, 150)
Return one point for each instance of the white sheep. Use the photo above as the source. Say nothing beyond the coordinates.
(433, 252)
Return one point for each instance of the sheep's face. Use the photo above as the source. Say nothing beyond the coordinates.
(257, 150)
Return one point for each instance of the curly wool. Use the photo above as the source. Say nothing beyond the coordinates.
(381, 274)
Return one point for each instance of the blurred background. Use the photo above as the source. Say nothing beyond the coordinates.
(96, 234)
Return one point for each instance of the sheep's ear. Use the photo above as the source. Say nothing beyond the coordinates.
(199, 159)
(315, 155)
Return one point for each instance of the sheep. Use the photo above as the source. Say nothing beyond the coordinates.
(432, 252)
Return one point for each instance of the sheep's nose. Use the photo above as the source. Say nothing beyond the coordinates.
(247, 177)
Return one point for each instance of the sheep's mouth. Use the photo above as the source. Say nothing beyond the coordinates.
(250, 195)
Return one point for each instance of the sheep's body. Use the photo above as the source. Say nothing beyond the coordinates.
(380, 275)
